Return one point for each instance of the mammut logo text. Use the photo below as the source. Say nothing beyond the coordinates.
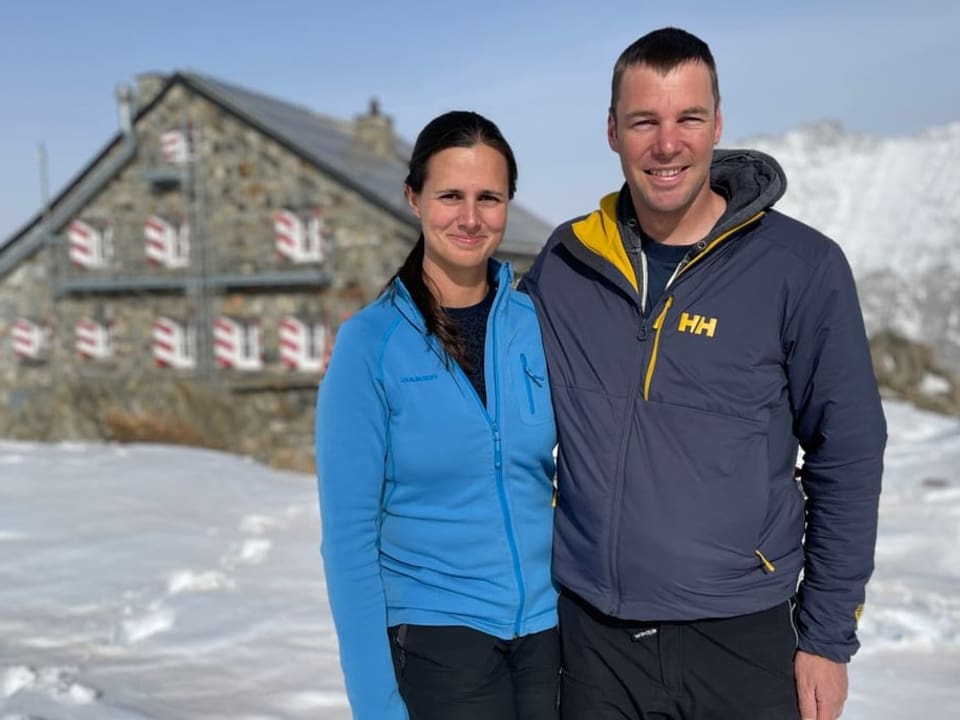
(417, 378)
(697, 324)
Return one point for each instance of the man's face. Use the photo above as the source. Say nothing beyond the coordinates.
(664, 128)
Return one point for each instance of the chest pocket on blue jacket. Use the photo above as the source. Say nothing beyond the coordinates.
(532, 388)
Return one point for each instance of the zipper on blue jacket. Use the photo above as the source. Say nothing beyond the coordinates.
(498, 466)
(502, 491)
(508, 525)
(530, 378)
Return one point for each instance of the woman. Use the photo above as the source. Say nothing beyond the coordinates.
(434, 440)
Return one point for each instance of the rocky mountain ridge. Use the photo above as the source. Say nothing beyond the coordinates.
(893, 204)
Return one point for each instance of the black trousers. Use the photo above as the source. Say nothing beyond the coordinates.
(738, 668)
(456, 673)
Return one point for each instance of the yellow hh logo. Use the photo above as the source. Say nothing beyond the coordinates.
(697, 324)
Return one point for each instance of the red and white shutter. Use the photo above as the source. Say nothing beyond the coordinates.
(226, 341)
(289, 233)
(175, 147)
(92, 340)
(157, 237)
(165, 243)
(30, 340)
(293, 342)
(172, 344)
(88, 247)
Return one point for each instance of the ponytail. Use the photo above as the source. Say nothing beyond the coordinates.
(435, 320)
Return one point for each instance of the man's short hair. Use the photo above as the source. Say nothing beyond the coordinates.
(663, 50)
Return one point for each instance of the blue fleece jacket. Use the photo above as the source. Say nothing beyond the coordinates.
(436, 510)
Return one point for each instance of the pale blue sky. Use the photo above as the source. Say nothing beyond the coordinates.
(538, 68)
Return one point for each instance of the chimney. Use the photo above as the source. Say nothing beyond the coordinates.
(375, 131)
(125, 108)
(149, 85)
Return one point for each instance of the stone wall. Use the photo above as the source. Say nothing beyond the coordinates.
(25, 292)
(272, 425)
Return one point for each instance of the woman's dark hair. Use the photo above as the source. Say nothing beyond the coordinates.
(462, 129)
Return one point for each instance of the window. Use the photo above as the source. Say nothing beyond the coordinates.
(304, 345)
(301, 237)
(30, 340)
(236, 344)
(93, 340)
(174, 343)
(90, 244)
(175, 147)
(166, 244)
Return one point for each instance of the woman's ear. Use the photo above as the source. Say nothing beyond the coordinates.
(413, 200)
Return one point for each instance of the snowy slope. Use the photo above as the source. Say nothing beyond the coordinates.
(894, 206)
(150, 582)
(157, 582)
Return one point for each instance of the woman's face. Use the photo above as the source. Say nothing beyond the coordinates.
(463, 212)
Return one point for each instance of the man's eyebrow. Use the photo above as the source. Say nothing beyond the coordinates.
(640, 113)
(695, 110)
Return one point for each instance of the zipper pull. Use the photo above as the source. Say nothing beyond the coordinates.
(663, 313)
(537, 379)
(767, 565)
(497, 457)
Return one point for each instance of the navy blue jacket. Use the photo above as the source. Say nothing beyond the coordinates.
(679, 429)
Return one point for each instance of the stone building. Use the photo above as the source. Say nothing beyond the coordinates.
(220, 231)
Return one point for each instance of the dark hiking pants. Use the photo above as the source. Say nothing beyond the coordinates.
(738, 668)
(456, 673)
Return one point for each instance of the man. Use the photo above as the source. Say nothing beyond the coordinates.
(694, 339)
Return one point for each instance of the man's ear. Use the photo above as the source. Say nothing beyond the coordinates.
(612, 133)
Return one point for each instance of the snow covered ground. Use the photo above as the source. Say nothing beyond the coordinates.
(170, 583)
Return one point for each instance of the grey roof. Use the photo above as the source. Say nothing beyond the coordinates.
(325, 142)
